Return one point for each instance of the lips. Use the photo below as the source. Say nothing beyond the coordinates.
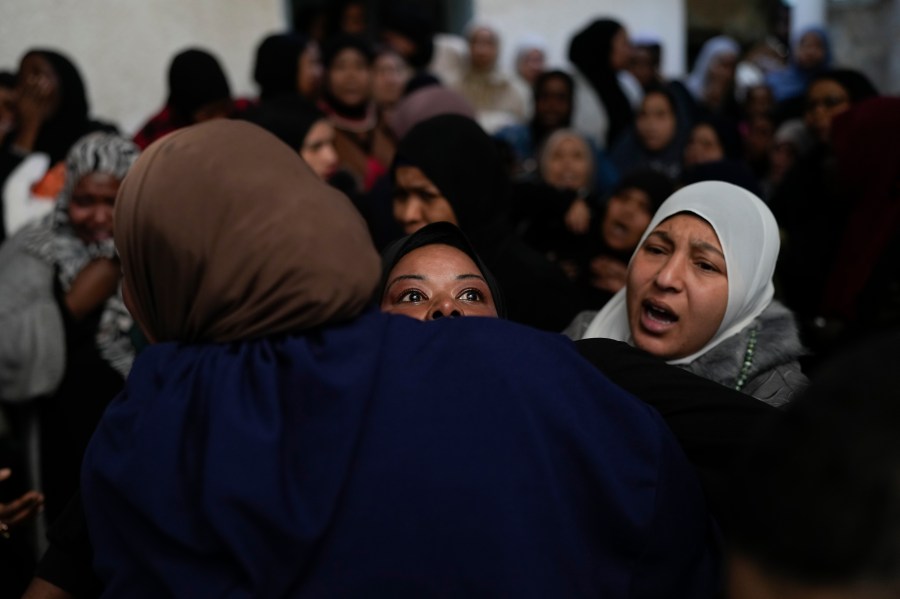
(657, 317)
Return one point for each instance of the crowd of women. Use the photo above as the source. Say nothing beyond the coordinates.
(211, 385)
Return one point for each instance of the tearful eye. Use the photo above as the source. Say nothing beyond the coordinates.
(472, 295)
(412, 296)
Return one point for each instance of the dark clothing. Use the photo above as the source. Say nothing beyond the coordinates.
(312, 465)
(462, 161)
(714, 425)
(69, 416)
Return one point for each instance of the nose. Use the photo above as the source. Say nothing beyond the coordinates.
(670, 276)
(411, 211)
(103, 216)
(445, 308)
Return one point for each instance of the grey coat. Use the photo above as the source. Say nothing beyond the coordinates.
(774, 375)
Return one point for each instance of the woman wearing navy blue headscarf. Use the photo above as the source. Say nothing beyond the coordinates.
(282, 438)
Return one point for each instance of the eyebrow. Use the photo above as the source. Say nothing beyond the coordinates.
(702, 245)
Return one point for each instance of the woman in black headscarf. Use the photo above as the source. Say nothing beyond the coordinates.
(810, 203)
(364, 147)
(198, 91)
(599, 52)
(448, 169)
(287, 64)
(52, 113)
(444, 239)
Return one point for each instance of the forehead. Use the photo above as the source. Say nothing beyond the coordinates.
(91, 182)
(568, 143)
(691, 226)
(656, 101)
(412, 176)
(826, 87)
(36, 62)
(434, 261)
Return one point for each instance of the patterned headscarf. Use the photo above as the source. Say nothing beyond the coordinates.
(53, 240)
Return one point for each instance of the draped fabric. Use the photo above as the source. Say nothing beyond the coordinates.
(390, 457)
(219, 244)
(749, 237)
(281, 441)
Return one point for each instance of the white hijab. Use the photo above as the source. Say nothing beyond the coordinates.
(748, 234)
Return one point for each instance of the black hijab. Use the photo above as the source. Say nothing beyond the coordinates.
(330, 51)
(195, 79)
(437, 233)
(462, 161)
(590, 51)
(277, 64)
(858, 86)
(289, 118)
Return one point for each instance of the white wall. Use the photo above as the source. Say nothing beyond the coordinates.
(123, 47)
(558, 20)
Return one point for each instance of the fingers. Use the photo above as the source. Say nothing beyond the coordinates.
(23, 508)
(5, 473)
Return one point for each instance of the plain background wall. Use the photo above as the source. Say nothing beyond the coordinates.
(558, 20)
(123, 48)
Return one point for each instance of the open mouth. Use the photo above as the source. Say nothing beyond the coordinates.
(657, 318)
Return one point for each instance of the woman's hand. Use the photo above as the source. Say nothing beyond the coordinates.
(92, 286)
(19, 510)
(578, 217)
(608, 274)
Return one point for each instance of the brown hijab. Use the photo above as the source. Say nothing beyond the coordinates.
(225, 234)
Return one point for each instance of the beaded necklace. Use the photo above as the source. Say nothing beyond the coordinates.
(748, 360)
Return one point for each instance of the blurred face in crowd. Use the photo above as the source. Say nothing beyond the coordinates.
(722, 69)
(483, 49)
(656, 124)
(628, 212)
(91, 207)
(811, 51)
(350, 78)
(759, 101)
(553, 104)
(620, 51)
(318, 149)
(703, 146)
(390, 75)
(760, 135)
(418, 201)
(353, 19)
(677, 288)
(567, 163)
(437, 281)
(309, 71)
(825, 99)
(531, 64)
(643, 65)
(38, 78)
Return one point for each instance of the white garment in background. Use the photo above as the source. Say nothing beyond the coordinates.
(20, 205)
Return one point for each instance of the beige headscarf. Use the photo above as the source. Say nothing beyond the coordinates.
(225, 234)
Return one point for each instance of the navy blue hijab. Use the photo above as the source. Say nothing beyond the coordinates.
(371, 454)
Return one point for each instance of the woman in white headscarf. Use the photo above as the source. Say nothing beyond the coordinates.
(699, 294)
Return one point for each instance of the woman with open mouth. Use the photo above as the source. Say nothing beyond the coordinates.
(699, 292)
